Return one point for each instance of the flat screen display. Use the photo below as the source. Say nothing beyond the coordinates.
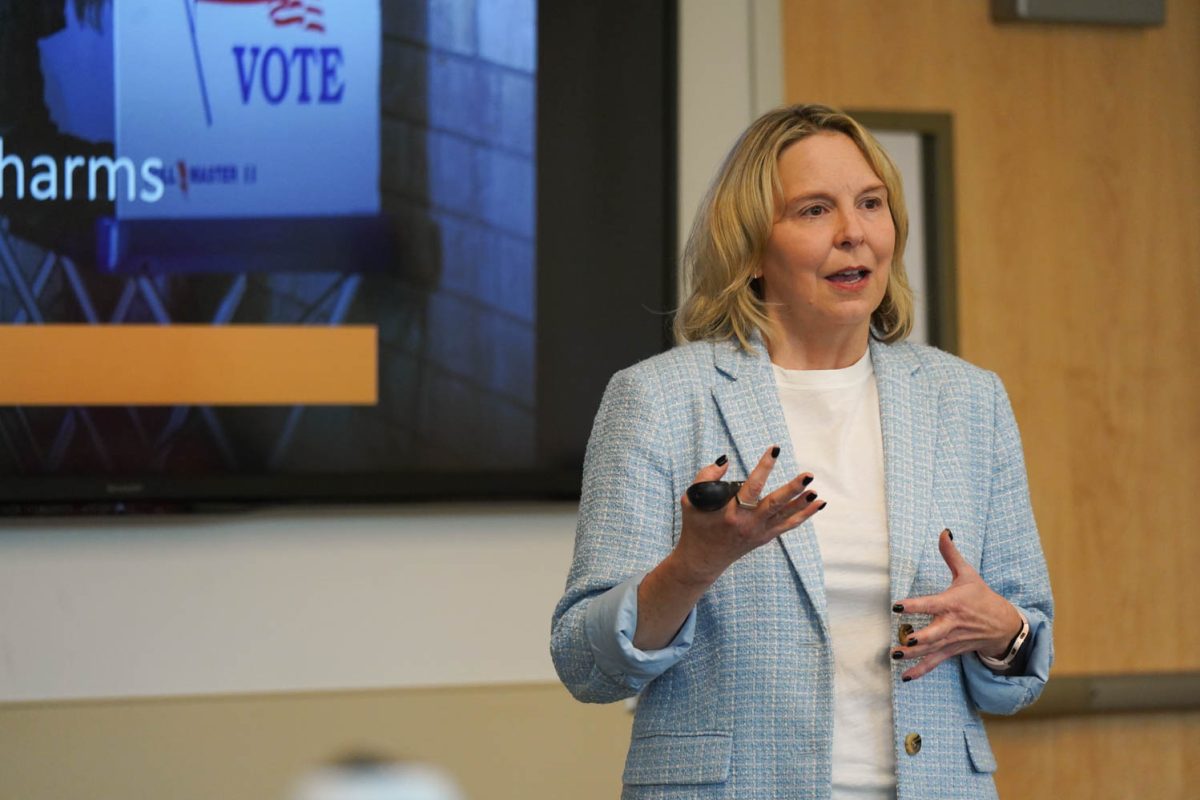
(271, 250)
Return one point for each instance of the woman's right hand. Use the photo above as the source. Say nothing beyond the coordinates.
(710, 541)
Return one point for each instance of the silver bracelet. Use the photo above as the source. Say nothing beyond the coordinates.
(1003, 663)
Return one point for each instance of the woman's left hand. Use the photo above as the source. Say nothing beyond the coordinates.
(967, 617)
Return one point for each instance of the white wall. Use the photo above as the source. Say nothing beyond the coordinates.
(280, 600)
(730, 71)
(302, 599)
(905, 149)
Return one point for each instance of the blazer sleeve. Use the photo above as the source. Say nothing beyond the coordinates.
(1014, 566)
(626, 523)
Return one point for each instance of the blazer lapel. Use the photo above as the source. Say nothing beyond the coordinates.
(749, 405)
(908, 408)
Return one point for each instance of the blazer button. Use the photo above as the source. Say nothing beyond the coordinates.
(912, 744)
(904, 633)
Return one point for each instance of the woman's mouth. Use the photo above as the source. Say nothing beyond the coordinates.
(851, 276)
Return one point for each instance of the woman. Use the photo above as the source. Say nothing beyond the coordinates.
(877, 579)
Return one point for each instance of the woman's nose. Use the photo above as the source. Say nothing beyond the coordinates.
(850, 233)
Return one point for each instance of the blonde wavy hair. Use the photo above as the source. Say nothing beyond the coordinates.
(730, 233)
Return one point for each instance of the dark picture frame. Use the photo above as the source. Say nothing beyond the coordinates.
(935, 133)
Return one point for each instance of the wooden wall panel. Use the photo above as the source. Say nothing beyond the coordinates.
(1123, 756)
(1076, 167)
(531, 742)
(502, 743)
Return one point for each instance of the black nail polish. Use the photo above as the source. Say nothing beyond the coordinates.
(906, 679)
(721, 459)
(897, 609)
(897, 655)
(950, 533)
(810, 496)
(774, 452)
(823, 504)
(806, 481)
(911, 643)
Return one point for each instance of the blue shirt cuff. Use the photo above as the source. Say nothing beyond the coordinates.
(997, 693)
(610, 623)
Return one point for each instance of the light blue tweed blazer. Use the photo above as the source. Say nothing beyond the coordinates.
(747, 712)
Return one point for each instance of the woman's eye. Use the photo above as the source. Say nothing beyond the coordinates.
(812, 211)
(873, 203)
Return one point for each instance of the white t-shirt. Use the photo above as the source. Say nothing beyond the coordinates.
(833, 419)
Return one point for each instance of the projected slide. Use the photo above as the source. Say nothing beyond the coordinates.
(266, 237)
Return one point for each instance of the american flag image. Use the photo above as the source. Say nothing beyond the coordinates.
(308, 14)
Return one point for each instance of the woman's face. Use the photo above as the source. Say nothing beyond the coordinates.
(827, 260)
